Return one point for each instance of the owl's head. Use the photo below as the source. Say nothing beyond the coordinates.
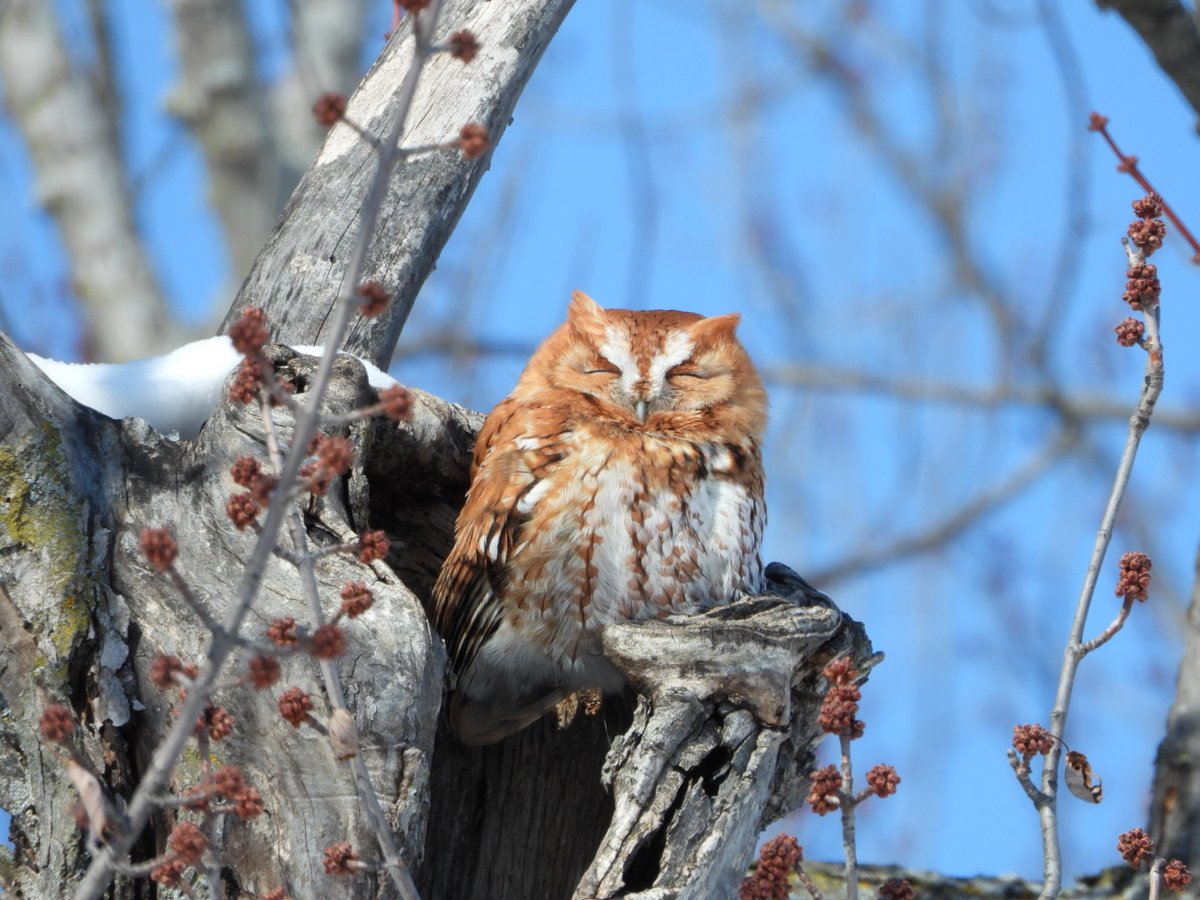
(655, 369)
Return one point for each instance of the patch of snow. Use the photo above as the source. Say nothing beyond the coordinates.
(176, 392)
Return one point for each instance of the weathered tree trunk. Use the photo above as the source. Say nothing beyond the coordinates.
(721, 739)
(722, 734)
(83, 616)
(1175, 809)
(80, 180)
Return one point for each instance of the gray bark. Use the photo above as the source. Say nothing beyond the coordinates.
(1172, 33)
(80, 181)
(722, 739)
(257, 139)
(83, 616)
(219, 98)
(304, 262)
(1114, 882)
(1175, 807)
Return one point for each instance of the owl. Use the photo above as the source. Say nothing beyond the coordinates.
(620, 480)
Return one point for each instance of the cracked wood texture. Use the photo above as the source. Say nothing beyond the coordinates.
(1171, 31)
(83, 616)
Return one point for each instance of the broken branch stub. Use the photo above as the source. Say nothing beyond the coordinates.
(722, 740)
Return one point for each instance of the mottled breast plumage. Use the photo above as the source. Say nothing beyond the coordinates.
(621, 480)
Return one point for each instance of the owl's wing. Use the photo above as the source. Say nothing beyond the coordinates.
(516, 445)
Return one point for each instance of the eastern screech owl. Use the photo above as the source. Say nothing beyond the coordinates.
(622, 479)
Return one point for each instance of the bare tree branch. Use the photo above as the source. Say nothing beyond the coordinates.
(104, 73)
(1173, 36)
(327, 46)
(81, 182)
(305, 260)
(219, 98)
(956, 521)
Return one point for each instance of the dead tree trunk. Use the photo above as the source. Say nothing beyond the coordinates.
(661, 800)
(1175, 809)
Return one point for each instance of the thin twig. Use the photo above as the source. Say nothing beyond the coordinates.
(1156, 870)
(1074, 651)
(805, 880)
(193, 602)
(847, 809)
(367, 797)
(1129, 164)
(1108, 633)
(1020, 768)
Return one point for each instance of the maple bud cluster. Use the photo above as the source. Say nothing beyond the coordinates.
(396, 403)
(168, 672)
(463, 46)
(1030, 740)
(329, 109)
(356, 599)
(1134, 578)
(1136, 847)
(249, 334)
(839, 709)
(770, 878)
(1129, 331)
(375, 298)
(159, 548)
(247, 472)
(372, 545)
(242, 510)
(294, 706)
(340, 859)
(282, 632)
(262, 672)
(473, 140)
(332, 456)
(1142, 287)
(824, 788)
(882, 780)
(896, 889)
(328, 642)
(56, 723)
(255, 376)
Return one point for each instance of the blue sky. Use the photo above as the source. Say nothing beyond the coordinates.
(973, 633)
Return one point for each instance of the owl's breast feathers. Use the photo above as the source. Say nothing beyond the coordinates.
(573, 522)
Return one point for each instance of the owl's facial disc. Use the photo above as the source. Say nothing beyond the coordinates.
(642, 385)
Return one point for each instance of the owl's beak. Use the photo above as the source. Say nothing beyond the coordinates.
(640, 408)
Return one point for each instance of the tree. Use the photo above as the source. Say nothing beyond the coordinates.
(936, 192)
(95, 628)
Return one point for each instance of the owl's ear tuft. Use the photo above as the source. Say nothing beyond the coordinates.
(715, 328)
(587, 316)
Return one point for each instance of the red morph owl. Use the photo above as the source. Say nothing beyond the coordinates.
(621, 480)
